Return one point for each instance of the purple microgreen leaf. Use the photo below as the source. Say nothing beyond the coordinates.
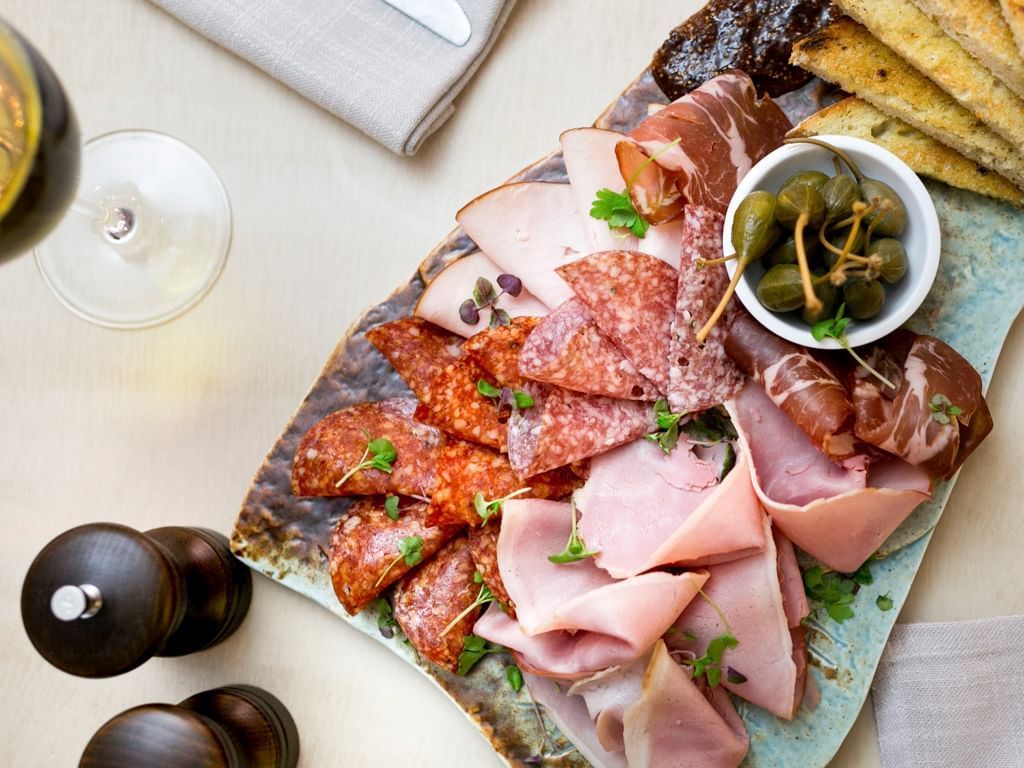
(510, 284)
(468, 312)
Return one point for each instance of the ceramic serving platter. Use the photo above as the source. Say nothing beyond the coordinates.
(977, 295)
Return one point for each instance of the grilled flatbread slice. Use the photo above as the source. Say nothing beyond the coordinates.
(925, 155)
(1013, 12)
(847, 54)
(902, 26)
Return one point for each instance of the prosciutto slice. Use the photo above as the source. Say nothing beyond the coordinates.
(675, 724)
(805, 390)
(840, 514)
(642, 509)
(912, 422)
(528, 229)
(722, 128)
(574, 619)
(749, 594)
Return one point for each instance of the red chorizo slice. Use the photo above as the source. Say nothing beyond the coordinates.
(454, 405)
(465, 469)
(336, 443)
(364, 544)
(631, 296)
(567, 349)
(483, 546)
(497, 350)
(432, 597)
(700, 375)
(419, 351)
(564, 426)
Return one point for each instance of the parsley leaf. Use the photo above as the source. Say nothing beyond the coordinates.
(488, 509)
(391, 507)
(617, 209)
(575, 549)
(942, 409)
(667, 434)
(884, 602)
(514, 675)
(379, 454)
(835, 328)
(474, 649)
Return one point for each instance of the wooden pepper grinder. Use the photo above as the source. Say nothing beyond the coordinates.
(101, 599)
(236, 726)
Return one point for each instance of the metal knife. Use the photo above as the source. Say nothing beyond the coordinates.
(445, 18)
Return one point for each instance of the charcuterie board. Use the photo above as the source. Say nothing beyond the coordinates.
(972, 305)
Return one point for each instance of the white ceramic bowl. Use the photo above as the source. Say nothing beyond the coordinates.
(921, 237)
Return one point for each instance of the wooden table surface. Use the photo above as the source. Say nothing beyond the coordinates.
(167, 425)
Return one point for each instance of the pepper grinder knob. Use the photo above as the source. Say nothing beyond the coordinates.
(236, 726)
(101, 599)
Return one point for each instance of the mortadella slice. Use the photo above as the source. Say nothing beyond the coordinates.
(337, 443)
(840, 514)
(675, 723)
(642, 508)
(528, 229)
(700, 375)
(722, 129)
(631, 296)
(567, 349)
(562, 427)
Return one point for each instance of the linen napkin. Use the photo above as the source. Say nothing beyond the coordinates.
(951, 695)
(360, 59)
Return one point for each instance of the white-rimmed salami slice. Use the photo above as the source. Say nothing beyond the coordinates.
(631, 296)
(567, 349)
(700, 375)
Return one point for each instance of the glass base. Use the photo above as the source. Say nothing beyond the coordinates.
(146, 239)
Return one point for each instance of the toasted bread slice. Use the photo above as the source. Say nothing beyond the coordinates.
(979, 27)
(925, 155)
(902, 26)
(1013, 12)
(847, 54)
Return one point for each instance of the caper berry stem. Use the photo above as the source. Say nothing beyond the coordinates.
(860, 210)
(701, 263)
(868, 233)
(720, 309)
(646, 163)
(811, 300)
(848, 221)
(864, 364)
(834, 150)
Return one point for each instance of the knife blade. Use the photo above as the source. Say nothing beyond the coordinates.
(445, 18)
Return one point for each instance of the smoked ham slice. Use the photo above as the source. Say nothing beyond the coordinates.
(642, 508)
(608, 695)
(722, 128)
(528, 229)
(840, 514)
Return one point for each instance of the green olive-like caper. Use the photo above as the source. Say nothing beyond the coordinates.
(797, 199)
(828, 294)
(894, 259)
(780, 288)
(816, 179)
(890, 214)
(840, 193)
(784, 251)
(754, 229)
(864, 298)
(838, 240)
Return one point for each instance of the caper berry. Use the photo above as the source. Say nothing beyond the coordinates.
(894, 259)
(889, 215)
(840, 193)
(754, 228)
(828, 294)
(784, 251)
(864, 298)
(816, 179)
(780, 289)
(797, 199)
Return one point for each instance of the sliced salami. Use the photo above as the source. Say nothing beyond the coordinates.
(364, 545)
(483, 546)
(700, 375)
(497, 350)
(631, 296)
(454, 405)
(432, 597)
(465, 469)
(565, 426)
(567, 349)
(419, 351)
(337, 443)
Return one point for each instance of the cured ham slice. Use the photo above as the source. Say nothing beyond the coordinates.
(442, 297)
(364, 544)
(563, 427)
(573, 618)
(567, 349)
(675, 724)
(653, 190)
(913, 422)
(840, 514)
(608, 695)
(642, 509)
(749, 595)
(805, 390)
(337, 443)
(528, 229)
(631, 296)
(700, 375)
(722, 128)
(497, 350)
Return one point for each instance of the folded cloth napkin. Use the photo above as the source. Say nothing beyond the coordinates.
(360, 59)
(951, 695)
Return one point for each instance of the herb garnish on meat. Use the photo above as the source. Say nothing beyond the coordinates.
(575, 549)
(379, 454)
(487, 509)
(474, 649)
(485, 296)
(410, 549)
(942, 409)
(835, 328)
(391, 507)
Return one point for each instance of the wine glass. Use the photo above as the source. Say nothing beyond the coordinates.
(130, 230)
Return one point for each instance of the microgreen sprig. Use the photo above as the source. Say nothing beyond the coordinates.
(385, 617)
(410, 549)
(486, 296)
(506, 398)
(667, 433)
(484, 596)
(835, 591)
(575, 549)
(514, 675)
(391, 507)
(835, 328)
(884, 602)
(379, 454)
(710, 664)
(488, 509)
(942, 409)
(474, 649)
